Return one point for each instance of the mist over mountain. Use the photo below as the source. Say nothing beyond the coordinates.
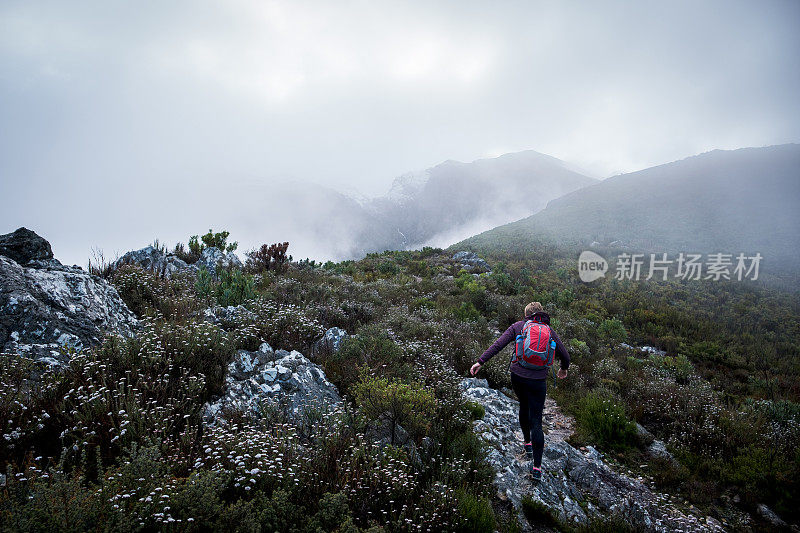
(437, 206)
(452, 199)
(721, 201)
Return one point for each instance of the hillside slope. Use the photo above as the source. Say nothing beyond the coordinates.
(294, 396)
(721, 201)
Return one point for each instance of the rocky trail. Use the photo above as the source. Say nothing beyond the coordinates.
(578, 484)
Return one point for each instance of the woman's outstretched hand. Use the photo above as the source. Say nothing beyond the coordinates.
(475, 368)
(562, 373)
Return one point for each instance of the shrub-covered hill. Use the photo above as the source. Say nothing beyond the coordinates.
(729, 201)
(117, 441)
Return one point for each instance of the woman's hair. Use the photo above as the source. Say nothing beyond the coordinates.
(533, 307)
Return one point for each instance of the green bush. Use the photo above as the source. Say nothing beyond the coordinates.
(218, 241)
(197, 244)
(233, 288)
(612, 331)
(467, 312)
(679, 366)
(476, 410)
(603, 418)
(409, 405)
(418, 268)
(477, 513)
(371, 349)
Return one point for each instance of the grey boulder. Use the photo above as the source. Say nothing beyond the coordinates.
(24, 245)
(153, 259)
(213, 259)
(265, 380)
(471, 262)
(331, 341)
(46, 309)
(228, 317)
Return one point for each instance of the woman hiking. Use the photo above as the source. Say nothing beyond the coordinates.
(529, 374)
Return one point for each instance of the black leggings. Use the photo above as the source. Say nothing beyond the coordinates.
(531, 394)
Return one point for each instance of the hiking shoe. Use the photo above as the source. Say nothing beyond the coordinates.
(529, 451)
(536, 473)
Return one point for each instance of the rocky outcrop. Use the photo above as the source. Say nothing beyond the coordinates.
(771, 517)
(644, 349)
(268, 379)
(48, 310)
(150, 258)
(214, 258)
(24, 246)
(331, 341)
(168, 264)
(228, 317)
(471, 262)
(577, 484)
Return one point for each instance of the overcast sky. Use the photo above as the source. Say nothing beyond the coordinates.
(125, 121)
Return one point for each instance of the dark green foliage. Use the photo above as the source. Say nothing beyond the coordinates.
(215, 240)
(467, 312)
(371, 349)
(333, 514)
(604, 419)
(538, 513)
(477, 512)
(234, 287)
(410, 345)
(392, 401)
(197, 244)
(612, 331)
(476, 410)
(418, 268)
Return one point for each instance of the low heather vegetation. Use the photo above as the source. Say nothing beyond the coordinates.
(117, 442)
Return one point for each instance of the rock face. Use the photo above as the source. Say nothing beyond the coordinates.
(577, 485)
(153, 259)
(42, 310)
(45, 306)
(331, 341)
(770, 516)
(212, 258)
(471, 262)
(168, 264)
(268, 379)
(24, 246)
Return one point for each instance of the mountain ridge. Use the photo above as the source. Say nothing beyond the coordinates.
(744, 198)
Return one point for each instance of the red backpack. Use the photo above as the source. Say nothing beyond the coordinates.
(535, 346)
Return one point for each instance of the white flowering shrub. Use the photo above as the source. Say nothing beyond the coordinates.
(147, 293)
(283, 325)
